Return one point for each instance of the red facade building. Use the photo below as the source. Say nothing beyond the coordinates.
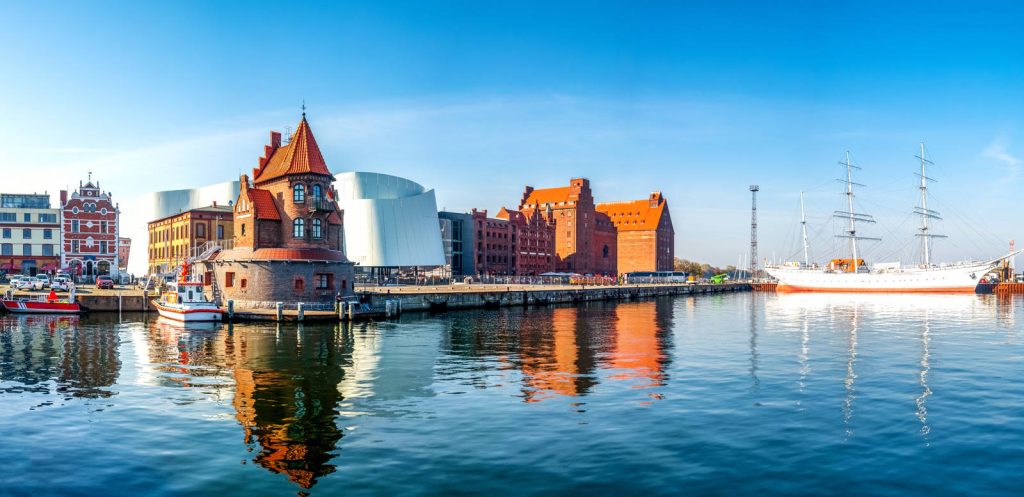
(90, 226)
(646, 238)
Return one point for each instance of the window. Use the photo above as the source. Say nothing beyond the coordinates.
(299, 228)
(7, 232)
(8, 216)
(103, 246)
(317, 231)
(220, 231)
(26, 233)
(47, 249)
(243, 283)
(201, 230)
(229, 279)
(317, 192)
(6, 249)
(74, 226)
(47, 218)
(74, 246)
(26, 249)
(604, 252)
(324, 281)
(300, 284)
(103, 226)
(243, 229)
(27, 217)
(299, 193)
(48, 234)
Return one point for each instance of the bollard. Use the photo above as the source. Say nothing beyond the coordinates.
(351, 311)
(145, 300)
(231, 309)
(301, 312)
(119, 303)
(280, 311)
(387, 308)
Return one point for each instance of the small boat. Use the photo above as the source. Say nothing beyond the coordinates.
(185, 301)
(43, 304)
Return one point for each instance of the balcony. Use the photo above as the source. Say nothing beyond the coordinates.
(319, 204)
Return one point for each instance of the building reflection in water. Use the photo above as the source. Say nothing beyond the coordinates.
(74, 360)
(286, 386)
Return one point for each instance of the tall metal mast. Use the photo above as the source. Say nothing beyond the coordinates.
(803, 228)
(925, 213)
(851, 216)
(753, 230)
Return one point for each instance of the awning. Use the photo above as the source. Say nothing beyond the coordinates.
(49, 267)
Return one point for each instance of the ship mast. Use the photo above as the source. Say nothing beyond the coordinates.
(803, 228)
(925, 213)
(851, 216)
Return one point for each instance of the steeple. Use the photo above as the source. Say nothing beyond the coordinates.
(301, 155)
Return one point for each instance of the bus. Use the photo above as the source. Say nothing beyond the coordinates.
(655, 277)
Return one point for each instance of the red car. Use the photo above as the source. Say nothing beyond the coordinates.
(104, 282)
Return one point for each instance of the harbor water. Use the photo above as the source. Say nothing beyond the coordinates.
(735, 394)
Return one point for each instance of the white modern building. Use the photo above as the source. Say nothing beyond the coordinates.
(389, 221)
(158, 205)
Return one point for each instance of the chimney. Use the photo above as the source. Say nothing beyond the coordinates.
(655, 199)
(215, 203)
(63, 198)
(275, 139)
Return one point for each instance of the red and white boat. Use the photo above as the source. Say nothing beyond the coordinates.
(42, 305)
(185, 301)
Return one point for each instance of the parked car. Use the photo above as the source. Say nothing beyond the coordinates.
(28, 283)
(45, 279)
(14, 279)
(104, 282)
(60, 283)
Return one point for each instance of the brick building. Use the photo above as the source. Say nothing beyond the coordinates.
(29, 234)
(288, 239)
(646, 238)
(584, 238)
(90, 226)
(124, 250)
(533, 242)
(175, 238)
(494, 244)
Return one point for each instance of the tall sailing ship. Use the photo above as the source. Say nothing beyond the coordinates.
(852, 274)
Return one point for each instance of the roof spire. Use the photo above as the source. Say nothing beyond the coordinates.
(303, 108)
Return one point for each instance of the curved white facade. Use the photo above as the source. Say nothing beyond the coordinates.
(389, 221)
(158, 205)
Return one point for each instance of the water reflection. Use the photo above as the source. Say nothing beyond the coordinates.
(54, 354)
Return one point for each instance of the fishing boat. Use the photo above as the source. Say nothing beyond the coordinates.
(853, 274)
(42, 304)
(185, 301)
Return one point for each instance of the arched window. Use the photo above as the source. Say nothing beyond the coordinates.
(299, 193)
(317, 225)
(299, 228)
(317, 192)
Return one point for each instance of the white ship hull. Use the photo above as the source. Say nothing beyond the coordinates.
(959, 278)
(189, 313)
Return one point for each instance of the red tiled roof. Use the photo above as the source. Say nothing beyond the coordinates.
(510, 215)
(634, 215)
(263, 204)
(281, 254)
(301, 155)
(292, 254)
(548, 195)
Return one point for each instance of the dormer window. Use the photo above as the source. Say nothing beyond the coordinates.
(299, 193)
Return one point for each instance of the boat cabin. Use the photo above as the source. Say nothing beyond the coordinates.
(185, 293)
(846, 265)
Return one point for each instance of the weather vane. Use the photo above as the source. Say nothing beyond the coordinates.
(303, 107)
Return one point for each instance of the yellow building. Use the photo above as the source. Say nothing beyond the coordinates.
(174, 238)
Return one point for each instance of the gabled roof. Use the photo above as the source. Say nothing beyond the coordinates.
(547, 195)
(635, 215)
(300, 155)
(263, 205)
(511, 215)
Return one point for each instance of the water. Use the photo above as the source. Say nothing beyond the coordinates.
(745, 394)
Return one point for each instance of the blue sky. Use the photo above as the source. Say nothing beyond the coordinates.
(477, 99)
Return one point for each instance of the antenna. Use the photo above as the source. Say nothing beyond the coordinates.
(925, 213)
(753, 230)
(803, 228)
